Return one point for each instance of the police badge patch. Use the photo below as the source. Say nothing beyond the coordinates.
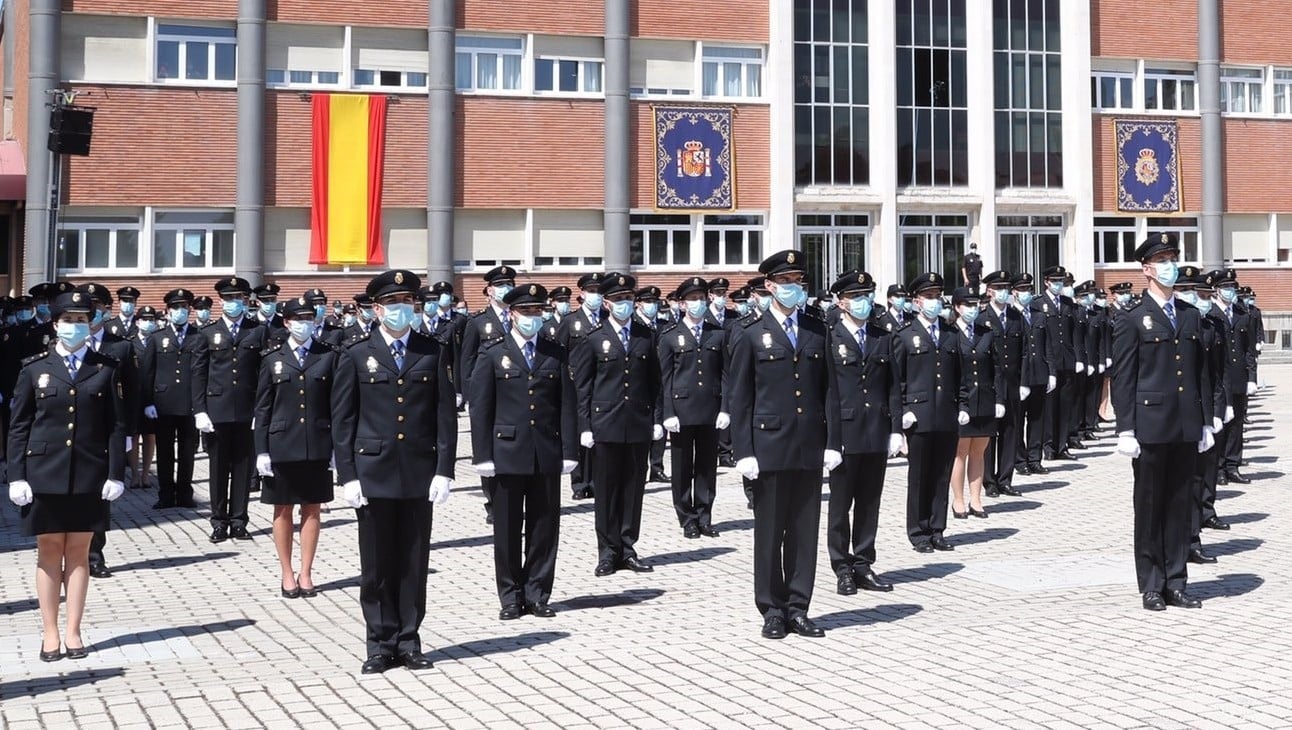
(43, 381)
(1148, 322)
(916, 341)
(767, 339)
(217, 338)
(506, 362)
(165, 343)
(372, 364)
(278, 368)
(605, 346)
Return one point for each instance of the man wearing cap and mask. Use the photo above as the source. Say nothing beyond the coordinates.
(39, 332)
(1056, 311)
(1037, 377)
(1007, 324)
(1163, 422)
(1240, 371)
(365, 320)
(324, 330)
(777, 386)
(235, 344)
(524, 435)
(895, 316)
(648, 314)
(173, 376)
(1088, 343)
(574, 328)
(559, 299)
(396, 444)
(487, 325)
(123, 325)
(617, 379)
(971, 271)
(926, 361)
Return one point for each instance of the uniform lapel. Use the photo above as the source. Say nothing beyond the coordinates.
(380, 351)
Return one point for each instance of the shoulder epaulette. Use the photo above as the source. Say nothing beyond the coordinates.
(749, 321)
(34, 358)
(487, 344)
(1134, 306)
(668, 327)
(356, 340)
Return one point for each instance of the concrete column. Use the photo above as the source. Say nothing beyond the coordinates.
(980, 80)
(1078, 139)
(440, 158)
(885, 261)
(617, 172)
(249, 213)
(45, 40)
(778, 86)
(1211, 220)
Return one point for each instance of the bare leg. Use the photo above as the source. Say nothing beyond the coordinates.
(76, 573)
(49, 585)
(310, 527)
(283, 543)
(958, 476)
(977, 450)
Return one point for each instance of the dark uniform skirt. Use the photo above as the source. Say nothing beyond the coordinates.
(297, 482)
(979, 427)
(54, 513)
(147, 426)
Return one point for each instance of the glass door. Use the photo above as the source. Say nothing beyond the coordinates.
(1032, 249)
(933, 243)
(836, 246)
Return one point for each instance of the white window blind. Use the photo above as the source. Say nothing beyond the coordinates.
(305, 48)
(390, 50)
(569, 233)
(662, 65)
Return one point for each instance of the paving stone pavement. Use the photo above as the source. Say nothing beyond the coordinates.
(1033, 621)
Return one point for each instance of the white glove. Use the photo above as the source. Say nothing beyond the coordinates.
(264, 466)
(908, 420)
(1051, 384)
(203, 423)
(585, 440)
(832, 459)
(1108, 362)
(723, 421)
(1216, 425)
(672, 424)
(1251, 389)
(1127, 445)
(1101, 369)
(130, 444)
(1023, 392)
(1081, 367)
(895, 442)
(1229, 413)
(656, 432)
(352, 493)
(963, 418)
(460, 400)
(20, 493)
(1208, 439)
(441, 487)
(112, 489)
(1260, 346)
(486, 469)
(150, 412)
(1000, 411)
(568, 466)
(748, 467)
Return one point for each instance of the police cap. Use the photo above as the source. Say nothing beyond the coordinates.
(526, 295)
(1155, 244)
(395, 281)
(232, 285)
(783, 262)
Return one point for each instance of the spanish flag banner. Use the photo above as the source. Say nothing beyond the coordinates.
(349, 155)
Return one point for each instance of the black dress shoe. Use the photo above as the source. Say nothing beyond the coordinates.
(488, 518)
(77, 652)
(635, 564)
(99, 570)
(1221, 479)
(1237, 477)
(1064, 455)
(868, 581)
(991, 491)
(509, 613)
(1076, 444)
(583, 493)
(219, 534)
(691, 532)
(979, 513)
(1023, 469)
(1153, 601)
(379, 663)
(414, 660)
(847, 584)
(1180, 599)
(940, 543)
(1039, 469)
(1200, 558)
(1215, 523)
(293, 592)
(727, 461)
(55, 655)
(708, 531)
(923, 547)
(803, 626)
(604, 568)
(959, 515)
(1010, 491)
(774, 627)
(541, 610)
(658, 475)
(164, 504)
(239, 533)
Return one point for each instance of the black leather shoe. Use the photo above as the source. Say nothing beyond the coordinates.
(727, 461)
(1215, 523)
(691, 532)
(509, 613)
(847, 584)
(658, 475)
(1153, 601)
(1076, 444)
(635, 564)
(1039, 469)
(219, 534)
(414, 660)
(1010, 491)
(1180, 599)
(1200, 558)
(604, 568)
(708, 531)
(1221, 479)
(803, 626)
(979, 513)
(940, 543)
(583, 493)
(55, 655)
(991, 491)
(1236, 477)
(99, 570)
(923, 547)
(868, 581)
(239, 533)
(1023, 469)
(379, 663)
(1064, 455)
(77, 652)
(164, 504)
(541, 610)
(774, 627)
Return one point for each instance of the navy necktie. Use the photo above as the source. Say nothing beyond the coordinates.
(529, 353)
(233, 330)
(861, 341)
(1170, 313)
(623, 337)
(300, 355)
(790, 333)
(699, 329)
(397, 352)
(71, 366)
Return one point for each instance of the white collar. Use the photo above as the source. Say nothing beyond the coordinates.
(390, 340)
(617, 325)
(1160, 301)
(228, 323)
(851, 325)
(520, 339)
(780, 317)
(79, 353)
(307, 344)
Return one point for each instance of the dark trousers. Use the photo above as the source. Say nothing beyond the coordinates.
(657, 453)
(232, 462)
(1031, 427)
(1164, 501)
(489, 486)
(100, 540)
(1077, 406)
(1231, 456)
(1204, 493)
(695, 474)
(930, 457)
(526, 530)
(853, 513)
(787, 518)
(1058, 408)
(175, 468)
(999, 460)
(394, 554)
(1094, 393)
(582, 475)
(724, 442)
(619, 471)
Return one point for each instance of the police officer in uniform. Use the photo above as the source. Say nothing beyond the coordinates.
(123, 325)
(1037, 377)
(1007, 324)
(487, 325)
(266, 298)
(617, 380)
(648, 314)
(692, 354)
(972, 269)
(323, 329)
(726, 318)
(396, 444)
(523, 436)
(1163, 421)
(39, 333)
(864, 426)
(202, 311)
(1240, 366)
(145, 430)
(366, 321)
(559, 299)
(173, 376)
(574, 328)
(1056, 312)
(762, 301)
(1196, 289)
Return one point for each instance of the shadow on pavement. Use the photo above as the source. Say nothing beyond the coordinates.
(1245, 518)
(172, 562)
(323, 524)
(464, 542)
(578, 509)
(24, 604)
(975, 538)
(1234, 547)
(1025, 488)
(735, 525)
(612, 600)
(1263, 459)
(1226, 586)
(173, 632)
(1229, 493)
(689, 556)
(883, 614)
(1065, 466)
(917, 575)
(501, 645)
(1263, 475)
(1012, 506)
(64, 681)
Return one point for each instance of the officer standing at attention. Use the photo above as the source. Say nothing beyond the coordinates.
(141, 456)
(396, 438)
(123, 325)
(485, 326)
(926, 362)
(972, 269)
(1037, 378)
(1056, 312)
(865, 428)
(523, 435)
(574, 328)
(173, 374)
(895, 316)
(1162, 422)
(266, 297)
(648, 314)
(692, 356)
(235, 343)
(1007, 324)
(1240, 366)
(777, 386)
(617, 380)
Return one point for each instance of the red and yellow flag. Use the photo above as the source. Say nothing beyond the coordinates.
(349, 155)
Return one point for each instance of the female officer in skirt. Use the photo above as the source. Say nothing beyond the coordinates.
(984, 382)
(295, 401)
(67, 456)
(145, 441)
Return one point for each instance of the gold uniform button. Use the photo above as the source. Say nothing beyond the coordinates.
(69, 442)
(302, 420)
(399, 399)
(399, 436)
(399, 382)
(71, 426)
(531, 422)
(400, 418)
(800, 410)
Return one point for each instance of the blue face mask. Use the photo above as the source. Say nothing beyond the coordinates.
(764, 303)
(73, 334)
(622, 310)
(42, 310)
(720, 302)
(528, 326)
(97, 318)
(826, 304)
(234, 308)
(742, 309)
(444, 301)
(127, 309)
(1204, 306)
(25, 315)
(695, 308)
(562, 308)
(861, 307)
(500, 291)
(547, 316)
(789, 295)
(366, 313)
(179, 317)
(1249, 302)
(1000, 296)
(1166, 273)
(908, 307)
(1068, 292)
(969, 314)
(650, 310)
(267, 309)
(1101, 302)
(148, 326)
(1055, 287)
(1025, 297)
(320, 311)
(301, 329)
(428, 307)
(349, 320)
(1229, 294)
(398, 317)
(1187, 296)
(931, 308)
(898, 303)
(203, 315)
(592, 301)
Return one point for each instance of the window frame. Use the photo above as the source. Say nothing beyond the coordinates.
(524, 83)
(1099, 75)
(209, 229)
(404, 84)
(82, 224)
(637, 225)
(1103, 226)
(287, 83)
(722, 62)
(158, 36)
(1159, 74)
(1229, 78)
(756, 223)
(1280, 79)
(583, 62)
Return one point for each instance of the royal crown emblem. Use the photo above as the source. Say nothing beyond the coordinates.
(506, 362)
(693, 160)
(43, 381)
(372, 364)
(1147, 170)
(790, 257)
(399, 277)
(533, 290)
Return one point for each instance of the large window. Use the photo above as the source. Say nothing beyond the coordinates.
(567, 75)
(1029, 124)
(831, 93)
(193, 240)
(388, 79)
(732, 72)
(932, 99)
(1112, 90)
(1115, 240)
(304, 55)
(98, 244)
(1186, 229)
(1242, 90)
(188, 53)
(1283, 91)
(733, 240)
(486, 63)
(659, 240)
(1169, 90)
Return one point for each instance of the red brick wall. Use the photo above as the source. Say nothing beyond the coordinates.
(1271, 285)
(214, 9)
(404, 13)
(555, 17)
(1258, 178)
(21, 68)
(753, 166)
(1254, 31)
(1104, 154)
(1163, 30)
(720, 20)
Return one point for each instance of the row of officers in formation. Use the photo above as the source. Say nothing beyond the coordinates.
(973, 394)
